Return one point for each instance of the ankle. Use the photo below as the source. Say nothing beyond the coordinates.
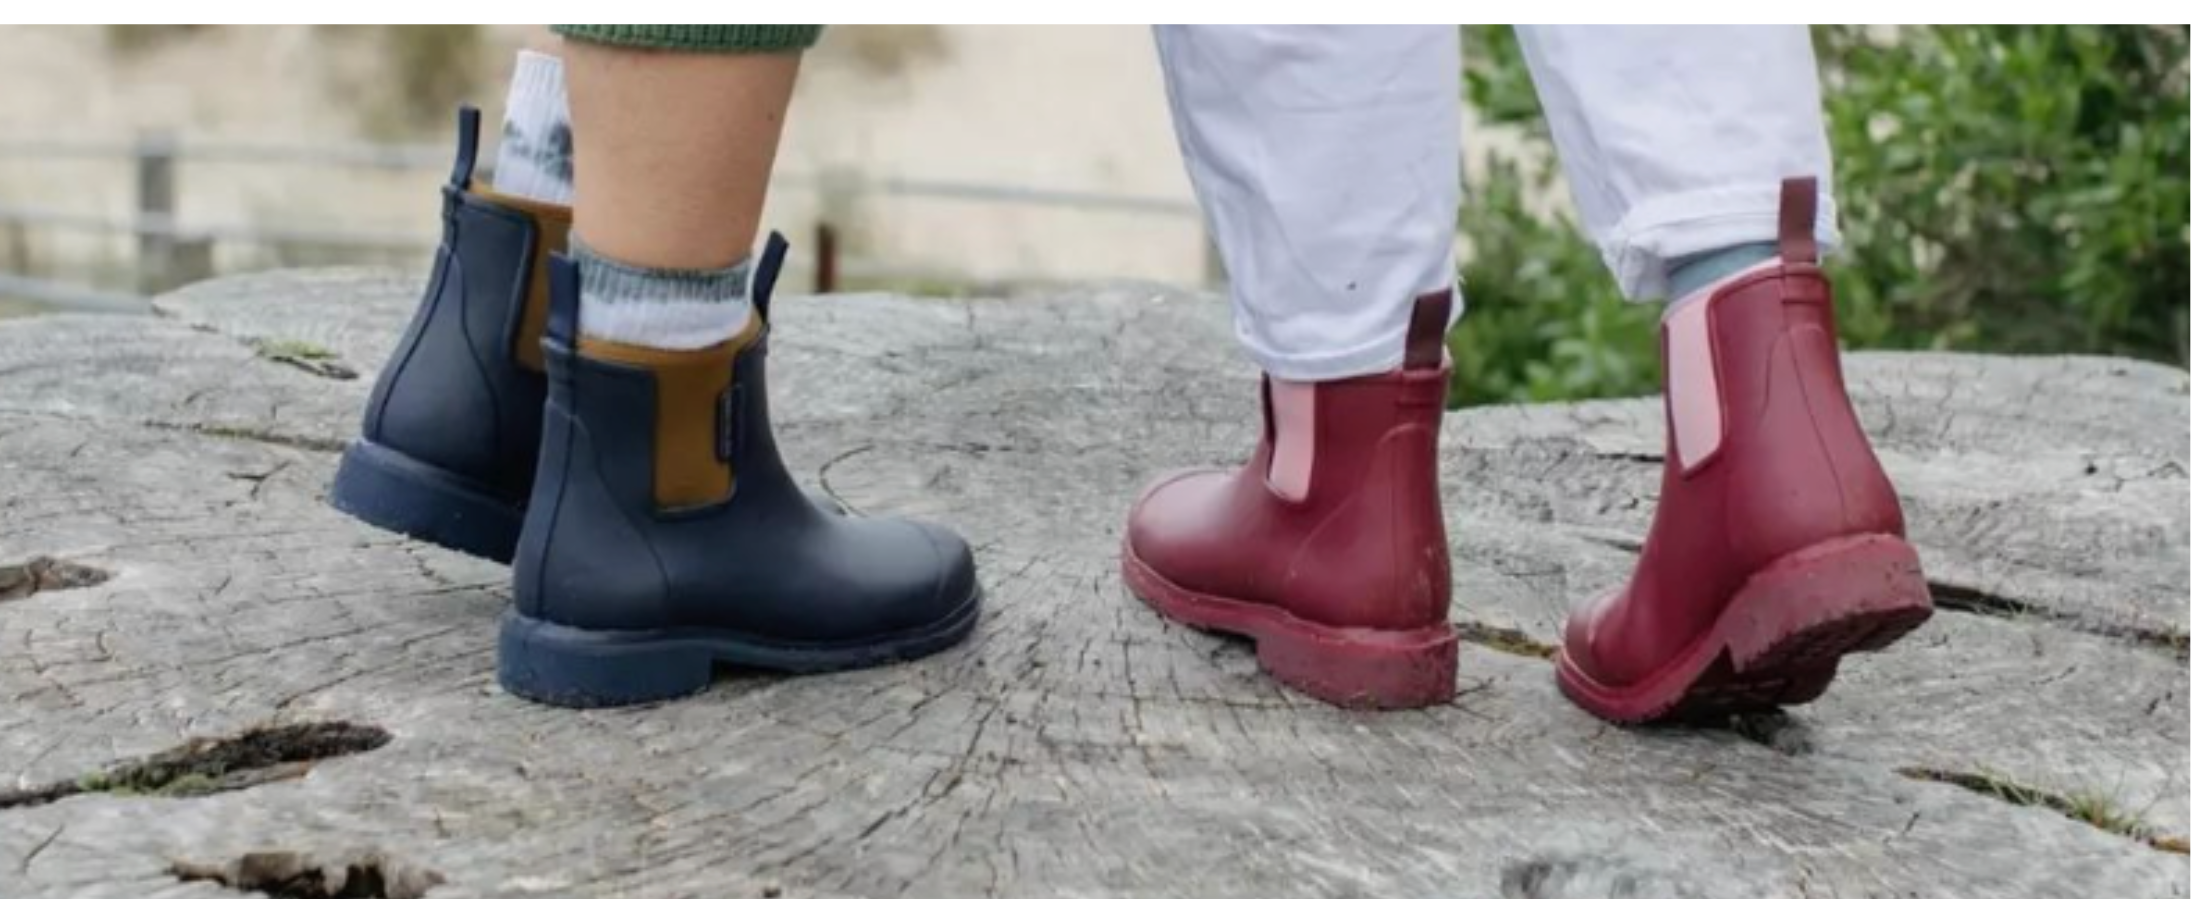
(1690, 275)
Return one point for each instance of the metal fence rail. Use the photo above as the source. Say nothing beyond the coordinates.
(161, 224)
(388, 157)
(171, 251)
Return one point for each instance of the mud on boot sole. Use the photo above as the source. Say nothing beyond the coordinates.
(1781, 639)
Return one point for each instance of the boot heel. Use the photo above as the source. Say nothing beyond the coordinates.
(1781, 639)
(1806, 610)
(576, 668)
(395, 492)
(1364, 668)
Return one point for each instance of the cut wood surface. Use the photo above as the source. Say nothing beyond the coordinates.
(192, 587)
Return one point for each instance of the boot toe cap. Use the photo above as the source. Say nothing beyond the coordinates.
(1581, 633)
(917, 575)
(956, 581)
(1171, 517)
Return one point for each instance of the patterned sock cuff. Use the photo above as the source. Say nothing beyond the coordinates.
(610, 281)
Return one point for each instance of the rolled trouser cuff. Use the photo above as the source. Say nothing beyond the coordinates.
(699, 38)
(1661, 230)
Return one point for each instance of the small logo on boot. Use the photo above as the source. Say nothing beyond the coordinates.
(729, 422)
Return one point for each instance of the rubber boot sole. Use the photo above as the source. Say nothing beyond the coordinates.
(582, 668)
(1781, 639)
(396, 492)
(1360, 668)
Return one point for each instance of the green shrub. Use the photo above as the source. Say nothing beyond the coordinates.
(2007, 189)
(2014, 188)
(1544, 319)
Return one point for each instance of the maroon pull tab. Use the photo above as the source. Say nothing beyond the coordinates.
(1425, 332)
(1799, 220)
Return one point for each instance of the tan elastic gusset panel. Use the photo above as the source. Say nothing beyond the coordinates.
(687, 471)
(553, 224)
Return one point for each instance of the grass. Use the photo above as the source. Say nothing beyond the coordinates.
(1506, 640)
(311, 357)
(2093, 808)
(205, 766)
(293, 349)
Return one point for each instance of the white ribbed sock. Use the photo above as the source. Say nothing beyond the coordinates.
(666, 309)
(535, 155)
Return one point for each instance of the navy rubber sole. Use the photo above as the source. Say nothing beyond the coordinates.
(577, 668)
(396, 492)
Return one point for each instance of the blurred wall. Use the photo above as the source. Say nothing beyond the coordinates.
(1059, 108)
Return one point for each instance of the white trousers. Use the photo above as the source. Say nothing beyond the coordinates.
(1327, 161)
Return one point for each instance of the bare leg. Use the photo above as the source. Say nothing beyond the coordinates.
(673, 150)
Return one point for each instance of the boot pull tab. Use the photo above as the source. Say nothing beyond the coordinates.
(563, 326)
(469, 141)
(1799, 220)
(1425, 332)
(767, 275)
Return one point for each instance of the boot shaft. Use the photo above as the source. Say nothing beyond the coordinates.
(636, 441)
(1367, 543)
(463, 390)
(1761, 434)
(1373, 539)
(1327, 547)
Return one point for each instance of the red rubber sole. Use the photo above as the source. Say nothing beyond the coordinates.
(1780, 640)
(1360, 668)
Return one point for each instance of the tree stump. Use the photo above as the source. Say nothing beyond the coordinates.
(210, 681)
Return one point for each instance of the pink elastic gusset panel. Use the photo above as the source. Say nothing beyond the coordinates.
(1291, 469)
(1690, 374)
(1691, 382)
(1691, 378)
